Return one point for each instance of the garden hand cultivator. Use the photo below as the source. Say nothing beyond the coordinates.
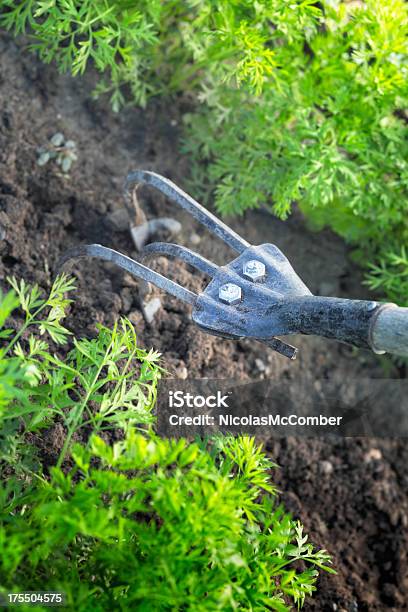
(257, 294)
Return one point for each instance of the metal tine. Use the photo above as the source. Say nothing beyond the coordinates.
(133, 267)
(176, 194)
(180, 252)
(280, 347)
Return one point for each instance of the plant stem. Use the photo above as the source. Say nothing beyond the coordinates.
(29, 321)
(75, 424)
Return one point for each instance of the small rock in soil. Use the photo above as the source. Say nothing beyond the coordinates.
(374, 454)
(151, 308)
(195, 239)
(165, 224)
(182, 372)
(326, 467)
(118, 220)
(260, 365)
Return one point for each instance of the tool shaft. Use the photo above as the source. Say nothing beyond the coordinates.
(381, 327)
(389, 331)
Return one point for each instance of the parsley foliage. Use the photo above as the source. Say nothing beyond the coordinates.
(122, 519)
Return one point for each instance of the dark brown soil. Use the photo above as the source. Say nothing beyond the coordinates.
(351, 494)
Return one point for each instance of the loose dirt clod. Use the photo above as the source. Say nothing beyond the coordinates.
(151, 308)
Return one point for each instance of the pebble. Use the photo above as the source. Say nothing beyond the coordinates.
(168, 224)
(326, 467)
(195, 239)
(151, 308)
(374, 454)
(260, 365)
(182, 372)
(118, 220)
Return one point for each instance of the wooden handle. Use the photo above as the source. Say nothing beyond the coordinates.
(389, 331)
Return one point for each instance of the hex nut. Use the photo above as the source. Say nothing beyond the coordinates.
(230, 294)
(254, 270)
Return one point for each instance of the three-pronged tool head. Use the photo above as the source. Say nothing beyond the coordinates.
(227, 305)
(257, 295)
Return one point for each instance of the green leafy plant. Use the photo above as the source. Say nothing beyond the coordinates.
(61, 150)
(328, 132)
(158, 525)
(104, 382)
(295, 102)
(142, 522)
(391, 274)
(113, 35)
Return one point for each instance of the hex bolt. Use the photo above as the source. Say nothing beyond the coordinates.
(230, 294)
(254, 270)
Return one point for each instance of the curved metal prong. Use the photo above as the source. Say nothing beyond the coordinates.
(274, 343)
(133, 267)
(281, 347)
(180, 252)
(195, 209)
